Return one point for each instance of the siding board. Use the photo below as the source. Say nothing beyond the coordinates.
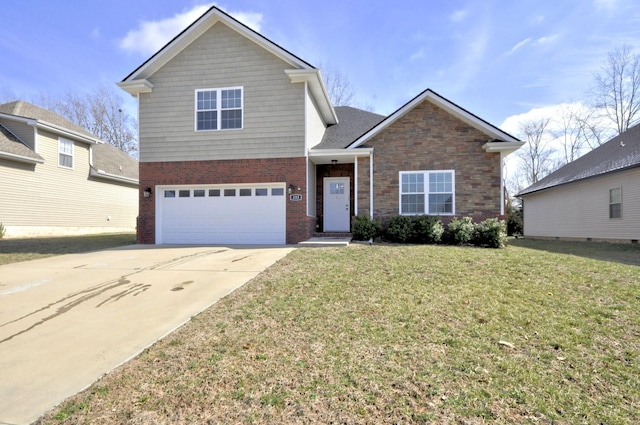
(581, 210)
(273, 107)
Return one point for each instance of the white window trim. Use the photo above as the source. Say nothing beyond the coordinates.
(615, 203)
(62, 141)
(426, 191)
(218, 108)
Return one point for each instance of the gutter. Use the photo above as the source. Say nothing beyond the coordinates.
(108, 176)
(20, 158)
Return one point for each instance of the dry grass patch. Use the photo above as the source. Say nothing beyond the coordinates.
(395, 334)
(16, 250)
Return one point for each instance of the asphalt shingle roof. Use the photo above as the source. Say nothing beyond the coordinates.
(112, 160)
(352, 123)
(24, 109)
(621, 152)
(10, 144)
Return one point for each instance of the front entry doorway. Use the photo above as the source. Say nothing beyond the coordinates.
(337, 208)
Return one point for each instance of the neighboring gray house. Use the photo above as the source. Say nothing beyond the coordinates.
(58, 179)
(595, 197)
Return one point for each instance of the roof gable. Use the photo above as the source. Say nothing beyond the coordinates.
(199, 27)
(11, 147)
(620, 153)
(501, 141)
(300, 72)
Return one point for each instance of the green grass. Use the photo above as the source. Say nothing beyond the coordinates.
(16, 250)
(400, 334)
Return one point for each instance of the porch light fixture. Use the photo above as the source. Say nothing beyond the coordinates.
(291, 187)
(334, 161)
(147, 192)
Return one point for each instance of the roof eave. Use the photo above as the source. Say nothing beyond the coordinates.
(504, 147)
(21, 158)
(135, 87)
(318, 91)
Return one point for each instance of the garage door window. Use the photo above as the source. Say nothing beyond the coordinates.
(229, 192)
(184, 193)
(198, 193)
(277, 192)
(214, 192)
(262, 192)
(169, 193)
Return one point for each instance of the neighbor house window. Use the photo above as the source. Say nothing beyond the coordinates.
(219, 109)
(65, 153)
(427, 192)
(615, 203)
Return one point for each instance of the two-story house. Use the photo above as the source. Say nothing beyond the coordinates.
(56, 179)
(240, 144)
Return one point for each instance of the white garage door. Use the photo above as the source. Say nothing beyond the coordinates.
(227, 214)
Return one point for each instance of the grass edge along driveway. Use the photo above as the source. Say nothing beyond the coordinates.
(398, 334)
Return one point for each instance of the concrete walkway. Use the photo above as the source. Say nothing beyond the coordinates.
(65, 321)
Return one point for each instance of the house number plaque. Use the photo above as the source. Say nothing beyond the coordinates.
(295, 197)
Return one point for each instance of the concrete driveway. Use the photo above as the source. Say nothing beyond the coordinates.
(67, 320)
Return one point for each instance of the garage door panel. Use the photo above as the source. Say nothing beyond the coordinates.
(221, 219)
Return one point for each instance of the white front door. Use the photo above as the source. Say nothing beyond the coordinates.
(337, 208)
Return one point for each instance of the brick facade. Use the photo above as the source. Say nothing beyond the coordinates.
(429, 138)
(270, 170)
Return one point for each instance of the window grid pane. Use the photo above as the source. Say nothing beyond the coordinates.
(440, 203)
(231, 119)
(231, 99)
(413, 204)
(440, 183)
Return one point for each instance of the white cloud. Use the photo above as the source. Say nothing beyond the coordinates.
(417, 55)
(459, 15)
(150, 36)
(604, 4)
(547, 39)
(520, 44)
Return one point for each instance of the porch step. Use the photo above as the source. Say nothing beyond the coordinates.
(327, 239)
(332, 235)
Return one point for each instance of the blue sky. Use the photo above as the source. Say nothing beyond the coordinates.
(496, 58)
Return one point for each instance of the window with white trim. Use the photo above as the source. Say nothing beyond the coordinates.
(219, 109)
(427, 192)
(615, 203)
(65, 153)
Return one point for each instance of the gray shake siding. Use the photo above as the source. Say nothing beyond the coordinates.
(273, 123)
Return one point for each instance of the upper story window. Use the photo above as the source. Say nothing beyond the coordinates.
(615, 203)
(65, 153)
(427, 192)
(219, 109)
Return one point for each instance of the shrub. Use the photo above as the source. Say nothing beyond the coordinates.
(460, 231)
(514, 221)
(3, 230)
(400, 229)
(427, 229)
(364, 228)
(491, 233)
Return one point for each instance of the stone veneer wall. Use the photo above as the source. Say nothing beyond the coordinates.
(429, 138)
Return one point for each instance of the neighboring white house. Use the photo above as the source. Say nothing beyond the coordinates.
(595, 197)
(57, 179)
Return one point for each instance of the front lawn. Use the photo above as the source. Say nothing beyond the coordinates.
(397, 334)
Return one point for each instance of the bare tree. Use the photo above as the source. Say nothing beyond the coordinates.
(341, 91)
(537, 156)
(617, 88)
(569, 131)
(101, 113)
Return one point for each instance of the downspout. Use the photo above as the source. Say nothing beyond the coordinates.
(502, 165)
(371, 185)
(355, 184)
